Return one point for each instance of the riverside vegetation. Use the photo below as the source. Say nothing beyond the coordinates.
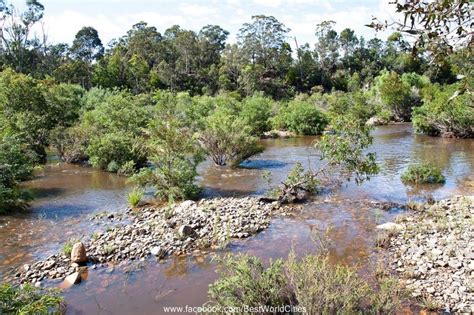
(153, 106)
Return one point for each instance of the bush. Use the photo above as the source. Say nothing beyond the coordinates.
(345, 148)
(394, 94)
(423, 173)
(312, 283)
(256, 112)
(111, 134)
(322, 287)
(245, 281)
(175, 155)
(16, 164)
(111, 151)
(443, 115)
(302, 118)
(24, 111)
(227, 140)
(28, 300)
(354, 104)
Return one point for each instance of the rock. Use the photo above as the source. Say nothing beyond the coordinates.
(25, 268)
(48, 264)
(38, 284)
(78, 253)
(376, 121)
(186, 231)
(71, 280)
(156, 251)
(390, 226)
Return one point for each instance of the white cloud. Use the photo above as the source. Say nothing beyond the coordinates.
(63, 20)
(196, 10)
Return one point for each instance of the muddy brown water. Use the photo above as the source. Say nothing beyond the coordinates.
(67, 196)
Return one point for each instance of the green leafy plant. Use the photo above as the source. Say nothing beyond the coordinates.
(345, 148)
(28, 300)
(175, 154)
(244, 280)
(227, 140)
(423, 173)
(301, 117)
(135, 196)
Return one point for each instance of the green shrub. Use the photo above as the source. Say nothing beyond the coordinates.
(227, 140)
(27, 300)
(244, 280)
(395, 94)
(17, 162)
(389, 297)
(302, 118)
(110, 134)
(444, 115)
(313, 283)
(345, 148)
(175, 154)
(135, 196)
(423, 173)
(256, 112)
(322, 287)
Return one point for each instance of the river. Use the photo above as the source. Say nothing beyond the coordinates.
(66, 197)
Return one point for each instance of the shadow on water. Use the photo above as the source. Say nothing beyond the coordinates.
(263, 164)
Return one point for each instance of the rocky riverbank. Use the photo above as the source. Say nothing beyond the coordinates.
(433, 251)
(178, 229)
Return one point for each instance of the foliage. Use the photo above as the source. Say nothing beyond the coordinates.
(312, 283)
(436, 25)
(135, 196)
(175, 154)
(16, 164)
(256, 112)
(344, 147)
(389, 297)
(110, 134)
(302, 118)
(244, 280)
(322, 287)
(24, 110)
(227, 139)
(445, 113)
(423, 173)
(27, 300)
(395, 94)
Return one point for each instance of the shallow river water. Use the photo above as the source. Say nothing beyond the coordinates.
(67, 196)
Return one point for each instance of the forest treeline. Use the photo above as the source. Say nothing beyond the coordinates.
(170, 99)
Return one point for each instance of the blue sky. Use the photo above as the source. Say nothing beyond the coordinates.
(112, 18)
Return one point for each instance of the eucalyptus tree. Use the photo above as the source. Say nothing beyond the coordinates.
(20, 47)
(264, 46)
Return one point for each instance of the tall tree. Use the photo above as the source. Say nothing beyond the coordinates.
(19, 46)
(87, 45)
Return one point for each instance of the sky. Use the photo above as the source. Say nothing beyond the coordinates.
(112, 18)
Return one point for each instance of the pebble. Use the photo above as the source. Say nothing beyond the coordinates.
(439, 242)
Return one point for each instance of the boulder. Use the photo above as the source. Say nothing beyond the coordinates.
(71, 280)
(78, 253)
(375, 121)
(156, 251)
(186, 231)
